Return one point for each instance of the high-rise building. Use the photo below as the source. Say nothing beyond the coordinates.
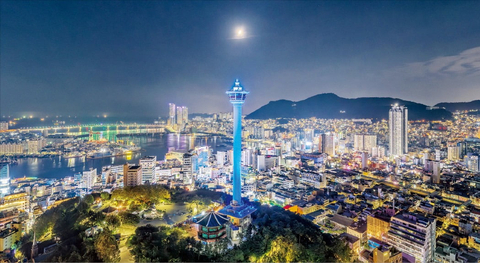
(171, 114)
(203, 154)
(106, 176)
(378, 224)
(132, 175)
(414, 235)
(184, 115)
(453, 153)
(187, 168)
(328, 144)
(34, 146)
(438, 154)
(221, 158)
(238, 213)
(3, 125)
(369, 142)
(148, 164)
(247, 157)
(4, 179)
(364, 160)
(179, 115)
(89, 178)
(364, 142)
(398, 130)
(358, 142)
(472, 163)
(436, 169)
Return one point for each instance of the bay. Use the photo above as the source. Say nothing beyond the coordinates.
(152, 145)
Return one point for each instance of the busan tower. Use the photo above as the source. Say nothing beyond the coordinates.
(237, 95)
(238, 212)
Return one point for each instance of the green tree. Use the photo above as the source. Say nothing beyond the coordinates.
(112, 221)
(105, 196)
(89, 199)
(152, 244)
(107, 247)
(128, 218)
(277, 235)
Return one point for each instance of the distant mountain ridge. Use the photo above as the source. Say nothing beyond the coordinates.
(331, 106)
(460, 106)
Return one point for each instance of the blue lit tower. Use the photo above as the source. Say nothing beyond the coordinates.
(238, 213)
(237, 95)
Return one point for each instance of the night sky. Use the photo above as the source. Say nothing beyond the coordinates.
(131, 58)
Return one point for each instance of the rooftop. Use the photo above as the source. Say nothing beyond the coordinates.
(414, 218)
(237, 211)
(212, 219)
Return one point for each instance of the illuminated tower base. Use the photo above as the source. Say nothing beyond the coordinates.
(240, 217)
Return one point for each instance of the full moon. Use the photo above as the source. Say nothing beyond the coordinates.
(240, 33)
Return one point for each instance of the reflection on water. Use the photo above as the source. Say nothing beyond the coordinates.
(59, 167)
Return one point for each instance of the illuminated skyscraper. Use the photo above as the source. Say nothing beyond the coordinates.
(184, 114)
(238, 213)
(179, 116)
(4, 179)
(171, 113)
(398, 130)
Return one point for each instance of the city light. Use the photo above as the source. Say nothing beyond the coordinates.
(356, 137)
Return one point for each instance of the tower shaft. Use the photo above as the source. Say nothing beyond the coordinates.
(237, 153)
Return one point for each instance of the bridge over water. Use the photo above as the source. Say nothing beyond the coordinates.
(110, 131)
(97, 131)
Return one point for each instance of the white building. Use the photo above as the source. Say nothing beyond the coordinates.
(364, 142)
(398, 130)
(148, 164)
(266, 162)
(221, 158)
(247, 157)
(89, 178)
(413, 234)
(4, 179)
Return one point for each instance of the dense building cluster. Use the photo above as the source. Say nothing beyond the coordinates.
(418, 202)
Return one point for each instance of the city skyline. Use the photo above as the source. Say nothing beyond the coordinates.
(359, 140)
(88, 57)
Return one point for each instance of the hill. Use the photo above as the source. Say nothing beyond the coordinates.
(460, 106)
(331, 106)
